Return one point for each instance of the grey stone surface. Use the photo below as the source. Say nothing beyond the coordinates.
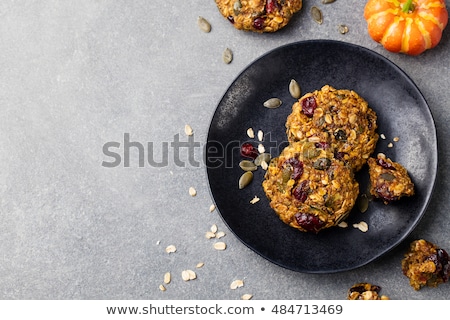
(78, 74)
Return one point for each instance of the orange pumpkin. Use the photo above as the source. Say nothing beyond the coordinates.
(407, 26)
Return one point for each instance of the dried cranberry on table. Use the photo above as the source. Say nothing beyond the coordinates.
(248, 150)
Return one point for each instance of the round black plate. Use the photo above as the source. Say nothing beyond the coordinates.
(402, 112)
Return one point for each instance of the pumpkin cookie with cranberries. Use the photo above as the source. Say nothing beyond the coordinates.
(338, 120)
(425, 264)
(259, 15)
(308, 188)
(389, 180)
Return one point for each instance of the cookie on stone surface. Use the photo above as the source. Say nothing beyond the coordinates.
(425, 264)
(339, 120)
(309, 189)
(259, 15)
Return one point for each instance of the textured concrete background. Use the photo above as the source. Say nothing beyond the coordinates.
(75, 75)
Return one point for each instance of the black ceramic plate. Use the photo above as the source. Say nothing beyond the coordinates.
(402, 112)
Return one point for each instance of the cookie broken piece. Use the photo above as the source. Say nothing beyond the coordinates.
(365, 291)
(425, 264)
(259, 15)
(389, 180)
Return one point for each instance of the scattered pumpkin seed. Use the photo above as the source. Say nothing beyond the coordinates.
(294, 89)
(262, 157)
(328, 1)
(236, 284)
(245, 179)
(272, 103)
(192, 191)
(167, 278)
(220, 246)
(343, 29)
(316, 14)
(260, 135)
(254, 200)
(363, 203)
(171, 249)
(250, 133)
(227, 56)
(247, 165)
(362, 226)
(204, 25)
(199, 265)
(162, 288)
(212, 208)
(246, 296)
(188, 130)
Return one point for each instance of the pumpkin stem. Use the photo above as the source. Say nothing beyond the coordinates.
(408, 6)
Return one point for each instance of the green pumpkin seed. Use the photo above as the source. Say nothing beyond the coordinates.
(294, 89)
(387, 176)
(247, 165)
(316, 14)
(237, 6)
(227, 56)
(262, 157)
(272, 103)
(343, 29)
(328, 1)
(363, 203)
(245, 179)
(204, 25)
(322, 164)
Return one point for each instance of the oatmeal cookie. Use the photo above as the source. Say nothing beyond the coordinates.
(308, 188)
(389, 180)
(425, 264)
(259, 15)
(365, 291)
(340, 120)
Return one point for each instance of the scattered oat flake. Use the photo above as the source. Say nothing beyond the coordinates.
(185, 275)
(254, 200)
(199, 265)
(192, 191)
(250, 133)
(212, 208)
(167, 278)
(220, 246)
(390, 145)
(396, 139)
(382, 136)
(214, 228)
(210, 235)
(220, 234)
(246, 296)
(236, 284)
(162, 288)
(261, 148)
(158, 242)
(171, 249)
(362, 226)
(264, 165)
(188, 130)
(343, 224)
(260, 135)
(192, 275)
